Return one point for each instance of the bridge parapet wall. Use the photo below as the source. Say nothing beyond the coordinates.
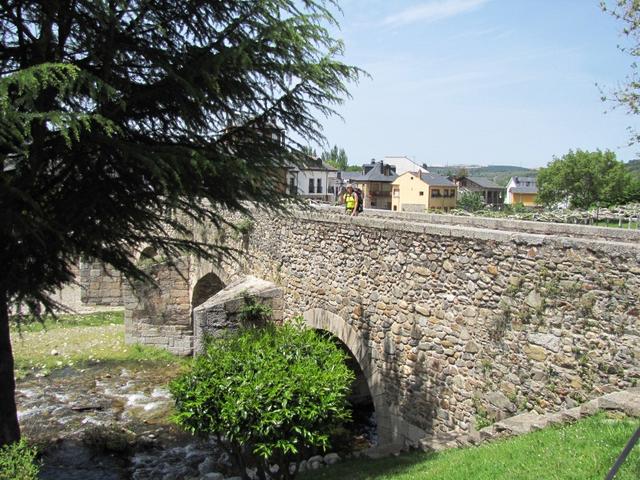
(503, 224)
(464, 323)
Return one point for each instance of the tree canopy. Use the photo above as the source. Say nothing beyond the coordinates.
(126, 121)
(628, 94)
(336, 157)
(587, 179)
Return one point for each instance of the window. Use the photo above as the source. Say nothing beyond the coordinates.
(319, 189)
(292, 186)
(396, 192)
(421, 194)
(435, 193)
(330, 189)
(311, 184)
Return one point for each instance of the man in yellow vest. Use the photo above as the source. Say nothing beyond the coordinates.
(351, 201)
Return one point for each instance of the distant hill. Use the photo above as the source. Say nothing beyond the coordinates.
(500, 174)
(634, 166)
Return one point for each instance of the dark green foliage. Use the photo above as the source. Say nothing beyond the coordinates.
(18, 462)
(586, 179)
(254, 312)
(121, 118)
(269, 394)
(336, 157)
(126, 122)
(471, 201)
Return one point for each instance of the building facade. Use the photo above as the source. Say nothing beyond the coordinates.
(492, 193)
(316, 180)
(421, 192)
(522, 190)
(375, 183)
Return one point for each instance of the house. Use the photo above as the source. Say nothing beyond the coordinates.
(492, 193)
(404, 164)
(315, 180)
(420, 192)
(375, 183)
(522, 190)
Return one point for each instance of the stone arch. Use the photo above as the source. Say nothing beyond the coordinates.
(320, 319)
(148, 253)
(206, 287)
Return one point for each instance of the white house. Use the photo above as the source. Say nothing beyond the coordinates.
(316, 180)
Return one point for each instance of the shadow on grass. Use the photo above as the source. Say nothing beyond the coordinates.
(356, 469)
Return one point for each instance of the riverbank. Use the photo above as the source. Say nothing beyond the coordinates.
(98, 409)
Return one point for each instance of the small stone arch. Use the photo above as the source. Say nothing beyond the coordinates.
(145, 253)
(206, 287)
(148, 253)
(320, 319)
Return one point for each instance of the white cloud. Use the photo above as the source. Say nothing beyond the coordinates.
(432, 11)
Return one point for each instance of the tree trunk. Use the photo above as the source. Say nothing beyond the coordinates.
(9, 428)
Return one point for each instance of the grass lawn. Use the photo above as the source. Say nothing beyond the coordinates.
(612, 224)
(585, 450)
(77, 340)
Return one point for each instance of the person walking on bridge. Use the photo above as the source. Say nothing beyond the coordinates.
(351, 200)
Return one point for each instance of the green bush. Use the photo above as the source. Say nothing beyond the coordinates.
(254, 312)
(270, 395)
(18, 462)
(519, 208)
(471, 201)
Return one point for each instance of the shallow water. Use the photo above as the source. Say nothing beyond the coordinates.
(109, 422)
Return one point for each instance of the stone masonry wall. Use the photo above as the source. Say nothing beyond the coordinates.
(100, 284)
(464, 324)
(223, 312)
(160, 315)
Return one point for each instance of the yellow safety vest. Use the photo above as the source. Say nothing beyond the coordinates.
(350, 201)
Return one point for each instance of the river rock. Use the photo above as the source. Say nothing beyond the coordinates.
(331, 458)
(207, 466)
(213, 476)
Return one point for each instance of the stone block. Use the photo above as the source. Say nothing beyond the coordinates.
(546, 340)
(535, 353)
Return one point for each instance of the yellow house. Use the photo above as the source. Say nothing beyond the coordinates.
(419, 192)
(522, 190)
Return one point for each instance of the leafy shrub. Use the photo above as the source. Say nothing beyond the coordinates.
(245, 226)
(253, 312)
(519, 208)
(269, 394)
(471, 201)
(18, 462)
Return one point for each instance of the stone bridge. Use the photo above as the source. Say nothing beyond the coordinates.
(451, 321)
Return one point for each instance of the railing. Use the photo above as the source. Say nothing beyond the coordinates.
(623, 456)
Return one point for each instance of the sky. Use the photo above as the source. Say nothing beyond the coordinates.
(489, 82)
